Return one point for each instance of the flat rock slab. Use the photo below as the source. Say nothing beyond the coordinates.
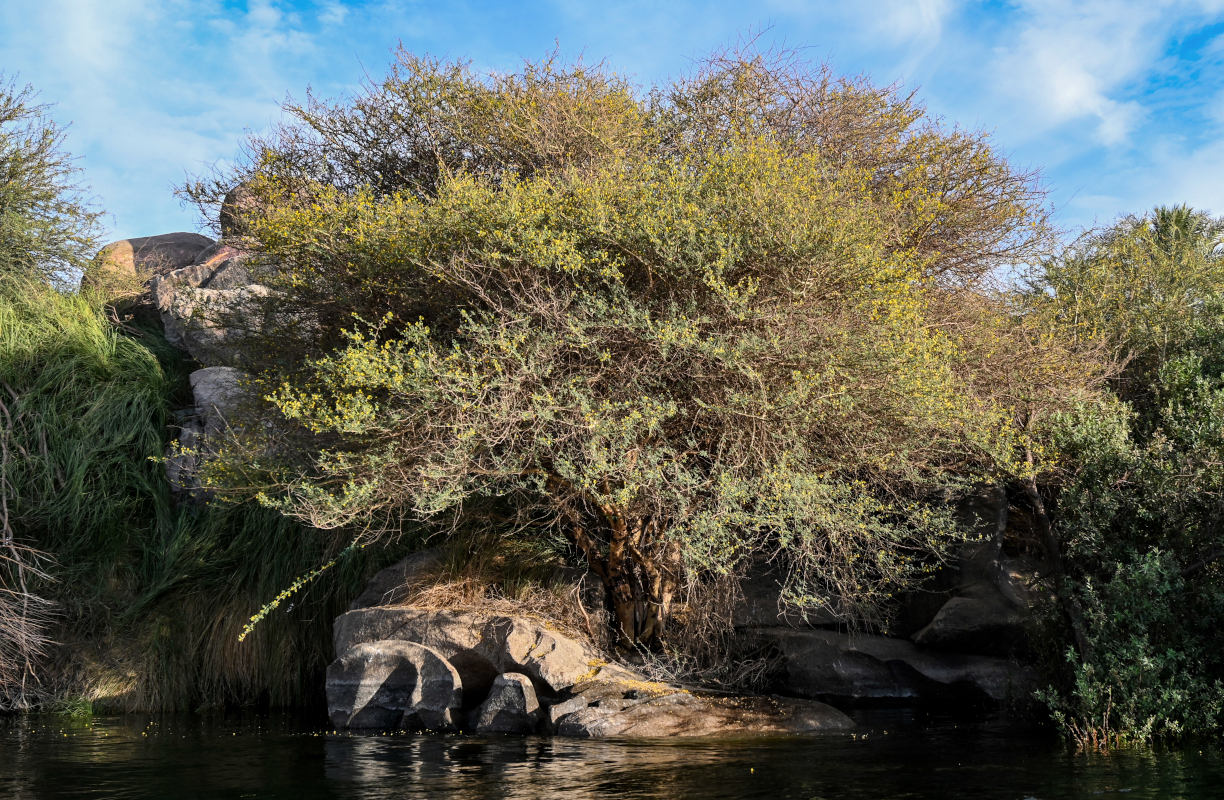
(393, 684)
(672, 713)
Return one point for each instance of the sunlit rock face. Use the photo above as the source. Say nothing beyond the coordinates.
(147, 256)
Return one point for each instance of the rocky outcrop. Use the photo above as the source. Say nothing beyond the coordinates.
(857, 667)
(481, 646)
(521, 675)
(393, 684)
(210, 308)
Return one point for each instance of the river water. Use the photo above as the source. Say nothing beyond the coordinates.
(894, 755)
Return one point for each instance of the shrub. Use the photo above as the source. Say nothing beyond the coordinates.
(739, 316)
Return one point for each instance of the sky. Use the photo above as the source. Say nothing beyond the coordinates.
(1118, 104)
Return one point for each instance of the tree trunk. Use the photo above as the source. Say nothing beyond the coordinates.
(636, 573)
(1070, 608)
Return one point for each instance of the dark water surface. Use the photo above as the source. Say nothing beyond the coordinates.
(900, 756)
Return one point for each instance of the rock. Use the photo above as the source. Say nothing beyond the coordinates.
(968, 624)
(853, 667)
(237, 203)
(672, 713)
(391, 585)
(481, 646)
(213, 325)
(511, 706)
(211, 306)
(590, 693)
(217, 392)
(393, 684)
(147, 256)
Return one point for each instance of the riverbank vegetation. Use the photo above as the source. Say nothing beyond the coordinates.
(750, 316)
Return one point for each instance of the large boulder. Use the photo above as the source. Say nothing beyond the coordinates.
(481, 646)
(214, 325)
(857, 667)
(238, 203)
(393, 684)
(210, 307)
(511, 706)
(978, 625)
(147, 256)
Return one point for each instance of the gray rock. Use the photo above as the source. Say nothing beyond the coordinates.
(217, 392)
(392, 585)
(237, 203)
(511, 706)
(213, 325)
(594, 693)
(393, 684)
(969, 624)
(843, 666)
(209, 307)
(481, 646)
(147, 256)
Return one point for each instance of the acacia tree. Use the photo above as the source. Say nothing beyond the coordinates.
(741, 315)
(48, 230)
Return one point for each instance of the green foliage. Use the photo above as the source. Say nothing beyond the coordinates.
(739, 316)
(1154, 672)
(1141, 290)
(47, 227)
(1139, 490)
(149, 597)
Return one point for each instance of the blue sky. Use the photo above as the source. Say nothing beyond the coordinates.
(1119, 104)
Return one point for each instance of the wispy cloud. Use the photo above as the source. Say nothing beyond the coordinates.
(1121, 101)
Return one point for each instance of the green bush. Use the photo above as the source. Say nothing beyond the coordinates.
(1138, 494)
(148, 598)
(47, 227)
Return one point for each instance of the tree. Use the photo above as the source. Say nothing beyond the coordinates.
(1136, 500)
(48, 230)
(739, 316)
(1139, 290)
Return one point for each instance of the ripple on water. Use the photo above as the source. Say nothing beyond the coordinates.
(893, 755)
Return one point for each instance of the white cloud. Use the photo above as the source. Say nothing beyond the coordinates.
(333, 14)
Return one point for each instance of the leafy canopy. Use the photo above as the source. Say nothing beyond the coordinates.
(1140, 489)
(741, 314)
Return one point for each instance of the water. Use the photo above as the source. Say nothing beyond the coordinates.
(900, 756)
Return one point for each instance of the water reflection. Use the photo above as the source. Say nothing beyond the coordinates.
(527, 768)
(891, 757)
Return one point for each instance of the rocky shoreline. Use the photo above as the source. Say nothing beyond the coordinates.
(399, 666)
